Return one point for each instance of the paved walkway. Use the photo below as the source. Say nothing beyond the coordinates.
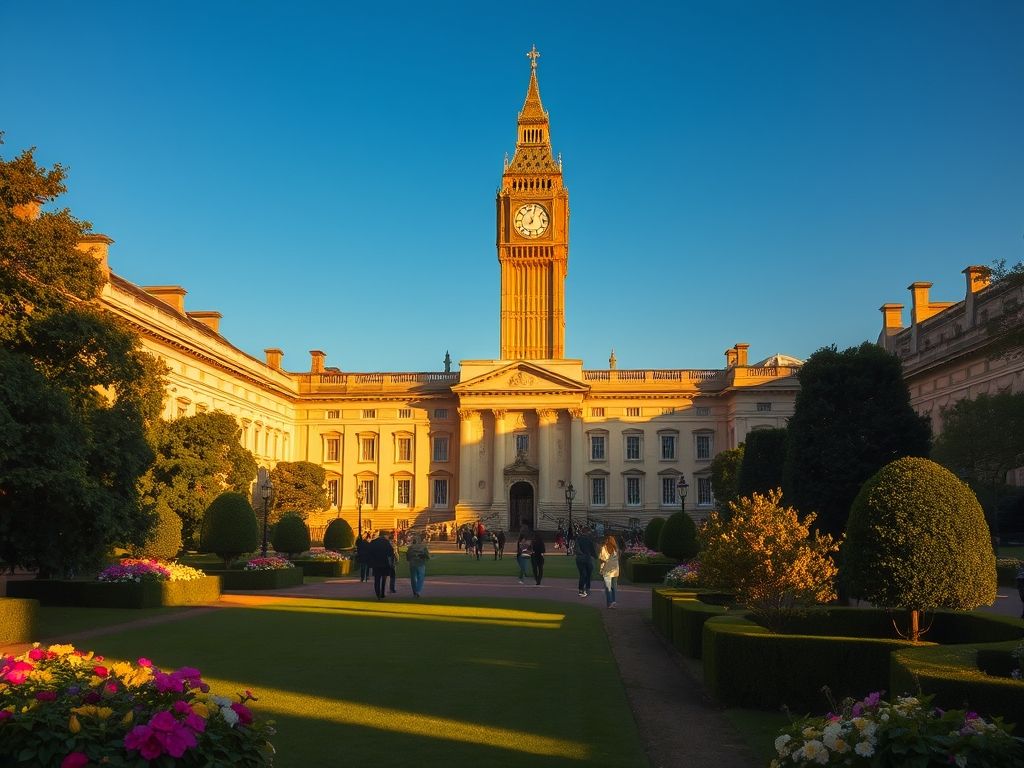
(679, 725)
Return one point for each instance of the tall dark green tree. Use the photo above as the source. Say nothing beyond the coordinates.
(198, 458)
(1006, 329)
(852, 417)
(299, 487)
(77, 392)
(725, 469)
(764, 457)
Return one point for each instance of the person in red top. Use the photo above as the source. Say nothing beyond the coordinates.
(480, 531)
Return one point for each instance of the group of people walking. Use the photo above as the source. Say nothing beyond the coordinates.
(380, 556)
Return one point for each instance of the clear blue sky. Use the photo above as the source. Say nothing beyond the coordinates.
(324, 175)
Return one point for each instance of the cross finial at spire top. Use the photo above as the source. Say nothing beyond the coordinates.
(533, 55)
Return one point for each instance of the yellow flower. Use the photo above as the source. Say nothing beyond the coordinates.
(128, 717)
(200, 709)
(104, 712)
(62, 650)
(73, 725)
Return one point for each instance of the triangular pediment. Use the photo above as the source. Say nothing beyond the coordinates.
(521, 377)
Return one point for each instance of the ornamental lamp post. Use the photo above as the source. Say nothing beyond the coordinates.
(266, 487)
(360, 494)
(570, 494)
(682, 486)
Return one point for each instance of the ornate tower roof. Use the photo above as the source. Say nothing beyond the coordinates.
(533, 143)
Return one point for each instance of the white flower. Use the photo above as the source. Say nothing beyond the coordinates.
(961, 760)
(781, 742)
(810, 733)
(885, 717)
(814, 750)
(221, 701)
(229, 715)
(864, 749)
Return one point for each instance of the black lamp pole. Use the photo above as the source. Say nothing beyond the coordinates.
(265, 488)
(570, 494)
(359, 506)
(682, 486)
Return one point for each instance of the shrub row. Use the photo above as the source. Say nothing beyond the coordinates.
(324, 567)
(688, 618)
(96, 594)
(280, 578)
(648, 572)
(17, 620)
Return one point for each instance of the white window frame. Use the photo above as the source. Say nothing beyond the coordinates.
(705, 492)
(709, 453)
(669, 498)
(637, 482)
(332, 456)
(369, 486)
(440, 413)
(764, 407)
(598, 498)
(673, 439)
(333, 491)
(440, 496)
(400, 440)
(440, 448)
(399, 483)
(603, 438)
(524, 438)
(368, 441)
(639, 438)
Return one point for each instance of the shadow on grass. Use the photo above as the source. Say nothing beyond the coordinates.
(456, 683)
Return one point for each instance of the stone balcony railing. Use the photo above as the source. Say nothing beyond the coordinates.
(331, 381)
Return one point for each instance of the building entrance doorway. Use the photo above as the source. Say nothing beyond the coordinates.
(520, 507)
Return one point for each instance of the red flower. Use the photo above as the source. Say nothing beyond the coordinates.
(101, 671)
(244, 715)
(46, 695)
(75, 760)
(36, 654)
(4, 714)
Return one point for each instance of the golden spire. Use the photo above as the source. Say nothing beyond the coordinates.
(533, 144)
(533, 110)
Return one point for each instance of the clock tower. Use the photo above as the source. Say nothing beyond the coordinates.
(533, 238)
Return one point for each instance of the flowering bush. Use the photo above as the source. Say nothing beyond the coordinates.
(685, 575)
(138, 570)
(639, 553)
(66, 707)
(1008, 562)
(873, 732)
(267, 564)
(325, 555)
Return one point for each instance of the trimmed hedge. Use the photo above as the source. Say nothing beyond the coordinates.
(324, 567)
(951, 673)
(661, 607)
(339, 535)
(648, 573)
(17, 620)
(1006, 576)
(747, 665)
(97, 594)
(279, 578)
(687, 621)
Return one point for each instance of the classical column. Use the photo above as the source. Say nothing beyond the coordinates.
(498, 501)
(546, 419)
(467, 456)
(576, 449)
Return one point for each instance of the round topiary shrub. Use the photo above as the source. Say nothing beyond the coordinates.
(229, 526)
(652, 533)
(339, 535)
(164, 542)
(290, 535)
(678, 538)
(917, 539)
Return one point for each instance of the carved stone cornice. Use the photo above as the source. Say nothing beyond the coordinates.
(547, 415)
(468, 414)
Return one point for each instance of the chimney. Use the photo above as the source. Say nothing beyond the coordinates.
(316, 364)
(920, 308)
(730, 358)
(274, 358)
(892, 318)
(978, 278)
(741, 354)
(28, 211)
(210, 319)
(97, 246)
(171, 295)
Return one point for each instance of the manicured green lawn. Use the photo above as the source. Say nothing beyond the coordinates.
(514, 683)
(56, 622)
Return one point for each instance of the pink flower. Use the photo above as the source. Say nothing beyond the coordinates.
(164, 682)
(16, 672)
(195, 722)
(46, 695)
(182, 708)
(100, 671)
(174, 736)
(75, 760)
(144, 662)
(144, 739)
(4, 714)
(36, 654)
(244, 714)
(110, 687)
(163, 721)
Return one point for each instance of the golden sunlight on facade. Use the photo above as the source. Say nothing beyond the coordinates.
(500, 439)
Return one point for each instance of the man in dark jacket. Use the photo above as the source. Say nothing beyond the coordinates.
(362, 558)
(381, 556)
(586, 553)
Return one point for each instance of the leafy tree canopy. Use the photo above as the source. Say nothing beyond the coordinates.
(299, 487)
(198, 458)
(725, 469)
(1006, 330)
(763, 459)
(851, 418)
(77, 394)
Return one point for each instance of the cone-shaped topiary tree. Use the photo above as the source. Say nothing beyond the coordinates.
(164, 542)
(290, 535)
(678, 537)
(917, 539)
(230, 527)
(339, 535)
(652, 533)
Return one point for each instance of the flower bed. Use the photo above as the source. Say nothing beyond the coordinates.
(17, 620)
(641, 570)
(324, 567)
(907, 732)
(148, 593)
(1006, 571)
(267, 564)
(61, 706)
(138, 570)
(684, 575)
(272, 578)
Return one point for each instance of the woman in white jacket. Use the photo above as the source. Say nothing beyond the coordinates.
(609, 558)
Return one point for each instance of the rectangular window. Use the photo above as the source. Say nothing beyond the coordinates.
(369, 413)
(632, 447)
(522, 444)
(405, 413)
(633, 491)
(763, 407)
(702, 410)
(440, 449)
(333, 449)
(704, 497)
(368, 449)
(440, 413)
(667, 410)
(668, 492)
(703, 448)
(597, 412)
(369, 495)
(403, 492)
(598, 496)
(402, 524)
(440, 492)
(332, 492)
(334, 414)
(404, 449)
(668, 447)
(632, 411)
(597, 448)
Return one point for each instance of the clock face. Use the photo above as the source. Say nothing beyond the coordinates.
(531, 220)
